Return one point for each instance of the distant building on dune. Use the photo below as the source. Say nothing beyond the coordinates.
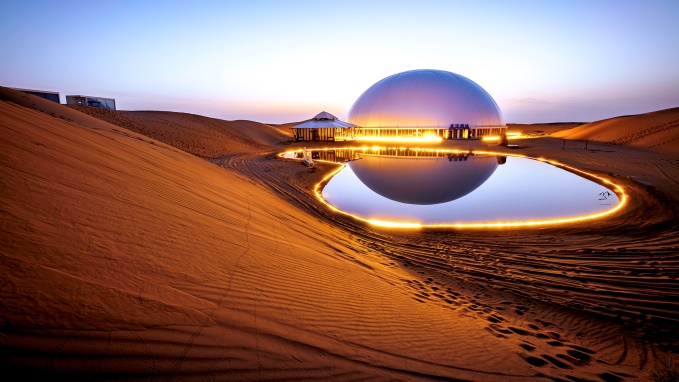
(104, 103)
(426, 104)
(51, 96)
(323, 127)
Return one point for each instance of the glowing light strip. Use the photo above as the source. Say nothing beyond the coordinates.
(390, 224)
(378, 223)
(508, 224)
(501, 224)
(378, 148)
(400, 139)
(497, 137)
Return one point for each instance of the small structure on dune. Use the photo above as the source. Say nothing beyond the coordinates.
(48, 95)
(323, 127)
(82, 100)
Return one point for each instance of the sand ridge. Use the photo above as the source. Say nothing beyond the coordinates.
(657, 130)
(195, 134)
(120, 247)
(541, 129)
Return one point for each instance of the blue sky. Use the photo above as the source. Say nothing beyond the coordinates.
(284, 61)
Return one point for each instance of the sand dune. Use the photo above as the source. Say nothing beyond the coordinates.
(195, 134)
(120, 247)
(583, 279)
(540, 129)
(126, 258)
(285, 127)
(202, 136)
(657, 130)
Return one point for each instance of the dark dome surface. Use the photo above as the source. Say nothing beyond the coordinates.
(423, 180)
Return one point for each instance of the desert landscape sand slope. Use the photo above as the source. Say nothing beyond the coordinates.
(540, 129)
(195, 134)
(583, 279)
(658, 130)
(126, 258)
(198, 135)
(285, 127)
(123, 257)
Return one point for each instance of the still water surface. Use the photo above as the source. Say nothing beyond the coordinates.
(458, 188)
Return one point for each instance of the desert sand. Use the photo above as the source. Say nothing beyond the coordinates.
(168, 246)
(655, 130)
(540, 129)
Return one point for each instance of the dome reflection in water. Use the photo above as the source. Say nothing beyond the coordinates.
(424, 180)
(459, 188)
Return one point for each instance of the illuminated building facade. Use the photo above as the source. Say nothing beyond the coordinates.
(104, 103)
(51, 96)
(323, 127)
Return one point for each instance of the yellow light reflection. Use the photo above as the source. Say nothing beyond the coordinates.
(491, 138)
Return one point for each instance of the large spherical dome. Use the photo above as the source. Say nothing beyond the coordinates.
(425, 98)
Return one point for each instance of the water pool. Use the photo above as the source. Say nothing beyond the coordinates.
(418, 187)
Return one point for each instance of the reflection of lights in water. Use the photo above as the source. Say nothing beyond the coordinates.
(619, 191)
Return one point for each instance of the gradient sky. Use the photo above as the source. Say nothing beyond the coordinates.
(284, 61)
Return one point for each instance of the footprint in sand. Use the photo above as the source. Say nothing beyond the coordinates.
(494, 319)
(520, 310)
(535, 361)
(556, 362)
(581, 356)
(520, 331)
